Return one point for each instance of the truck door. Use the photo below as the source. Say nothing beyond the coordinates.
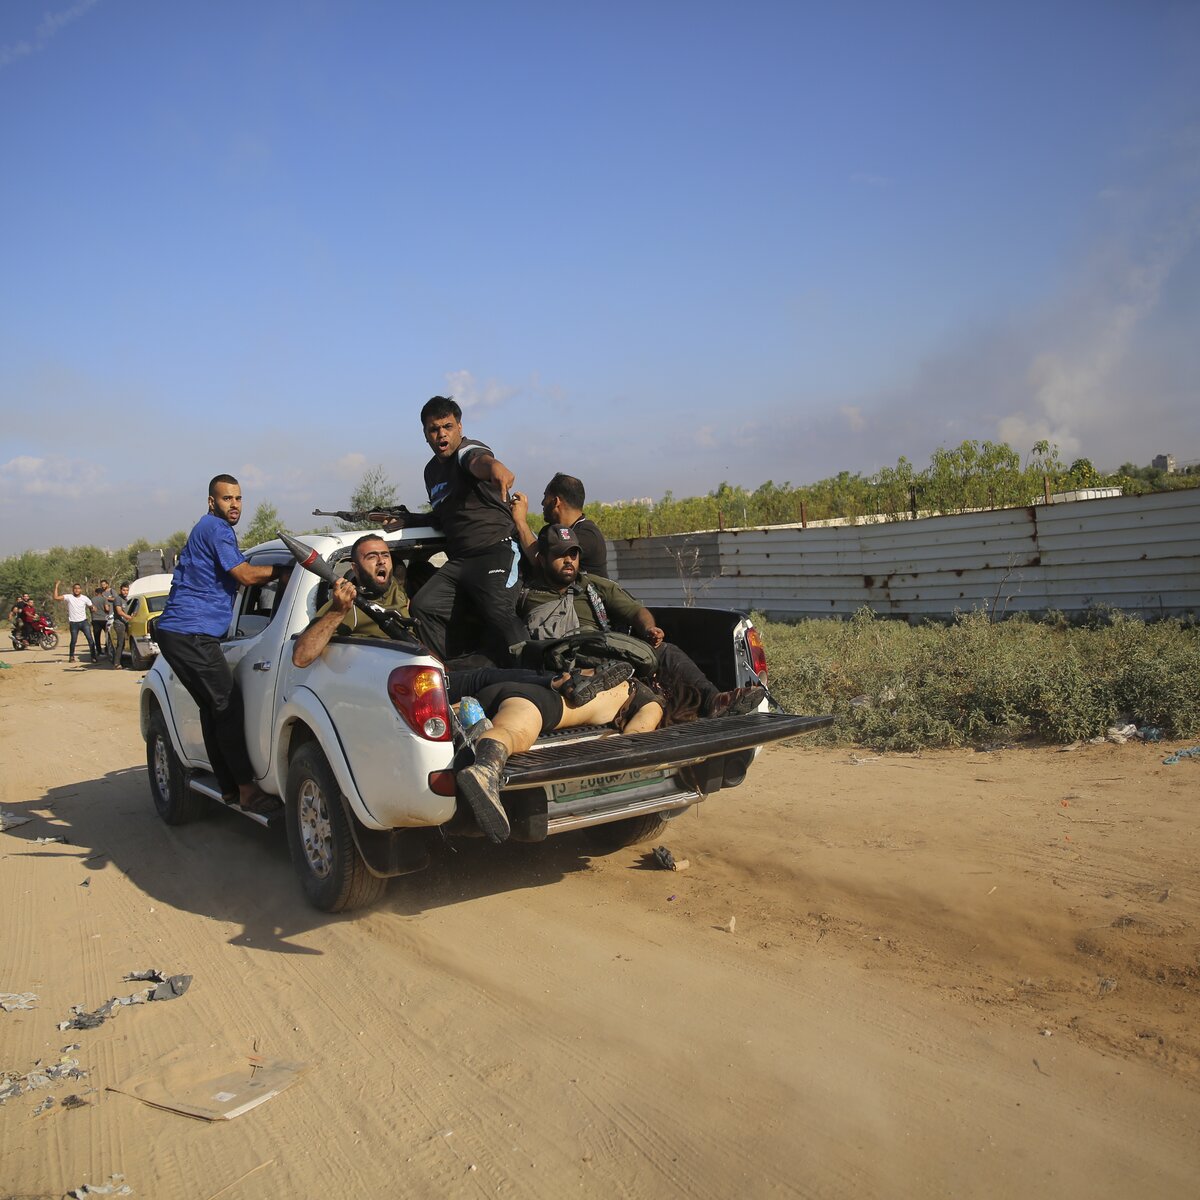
(253, 650)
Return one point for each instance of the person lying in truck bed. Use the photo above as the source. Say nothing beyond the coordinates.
(564, 599)
(521, 713)
(371, 560)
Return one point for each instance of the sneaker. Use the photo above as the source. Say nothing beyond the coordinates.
(479, 785)
(581, 688)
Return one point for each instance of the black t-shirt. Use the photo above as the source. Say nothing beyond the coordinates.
(470, 512)
(593, 549)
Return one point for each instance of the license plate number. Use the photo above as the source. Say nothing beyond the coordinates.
(601, 785)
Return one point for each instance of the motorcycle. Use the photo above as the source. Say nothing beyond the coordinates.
(38, 632)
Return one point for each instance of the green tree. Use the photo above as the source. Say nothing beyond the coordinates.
(264, 526)
(375, 491)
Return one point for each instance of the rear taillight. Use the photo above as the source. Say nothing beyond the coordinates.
(758, 656)
(418, 694)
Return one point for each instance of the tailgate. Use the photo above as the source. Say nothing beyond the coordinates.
(678, 745)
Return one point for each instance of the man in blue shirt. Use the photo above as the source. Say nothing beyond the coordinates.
(197, 615)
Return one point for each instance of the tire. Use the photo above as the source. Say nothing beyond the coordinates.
(332, 873)
(618, 834)
(176, 803)
(137, 660)
(49, 640)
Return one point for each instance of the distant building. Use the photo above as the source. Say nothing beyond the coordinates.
(1164, 462)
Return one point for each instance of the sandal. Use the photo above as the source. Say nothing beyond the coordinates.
(261, 805)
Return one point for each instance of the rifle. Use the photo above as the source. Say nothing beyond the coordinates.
(396, 517)
(391, 623)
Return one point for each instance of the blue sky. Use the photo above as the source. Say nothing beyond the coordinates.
(657, 245)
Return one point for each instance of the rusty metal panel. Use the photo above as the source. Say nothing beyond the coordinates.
(1137, 553)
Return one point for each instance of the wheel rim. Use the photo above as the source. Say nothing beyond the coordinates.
(316, 833)
(162, 768)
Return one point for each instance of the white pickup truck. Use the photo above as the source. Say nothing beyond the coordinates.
(361, 744)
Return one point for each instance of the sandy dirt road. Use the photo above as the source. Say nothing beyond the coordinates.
(953, 975)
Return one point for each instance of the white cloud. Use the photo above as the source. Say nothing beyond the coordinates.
(251, 476)
(50, 25)
(350, 466)
(854, 417)
(471, 394)
(27, 475)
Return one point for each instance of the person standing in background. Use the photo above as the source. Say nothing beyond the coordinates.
(78, 608)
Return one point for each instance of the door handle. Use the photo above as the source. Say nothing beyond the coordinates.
(262, 666)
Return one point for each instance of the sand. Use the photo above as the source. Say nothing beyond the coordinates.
(954, 974)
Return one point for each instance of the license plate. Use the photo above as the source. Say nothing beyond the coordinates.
(601, 785)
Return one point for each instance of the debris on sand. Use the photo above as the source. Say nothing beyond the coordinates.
(663, 858)
(17, 1001)
(167, 988)
(116, 1186)
(10, 820)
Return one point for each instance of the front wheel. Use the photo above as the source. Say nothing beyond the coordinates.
(332, 872)
(618, 834)
(49, 639)
(176, 803)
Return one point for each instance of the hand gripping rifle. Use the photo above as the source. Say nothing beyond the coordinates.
(396, 517)
(391, 623)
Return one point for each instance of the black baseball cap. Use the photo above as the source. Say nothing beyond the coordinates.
(560, 539)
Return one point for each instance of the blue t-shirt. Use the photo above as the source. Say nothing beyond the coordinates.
(202, 589)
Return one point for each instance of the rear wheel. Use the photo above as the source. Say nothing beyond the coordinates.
(332, 872)
(138, 660)
(176, 803)
(617, 834)
(49, 640)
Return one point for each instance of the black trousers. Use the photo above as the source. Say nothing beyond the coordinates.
(676, 668)
(98, 632)
(489, 582)
(197, 660)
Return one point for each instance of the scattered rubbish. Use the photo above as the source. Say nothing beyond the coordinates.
(167, 988)
(1120, 734)
(48, 1103)
(1107, 985)
(993, 888)
(1150, 733)
(10, 820)
(86, 883)
(198, 1088)
(116, 1186)
(48, 841)
(665, 859)
(73, 1101)
(1047, 1033)
(859, 759)
(1191, 752)
(731, 925)
(672, 897)
(13, 1084)
(16, 1001)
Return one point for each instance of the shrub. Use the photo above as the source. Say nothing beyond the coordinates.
(975, 681)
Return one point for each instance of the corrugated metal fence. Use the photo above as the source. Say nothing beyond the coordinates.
(1137, 553)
